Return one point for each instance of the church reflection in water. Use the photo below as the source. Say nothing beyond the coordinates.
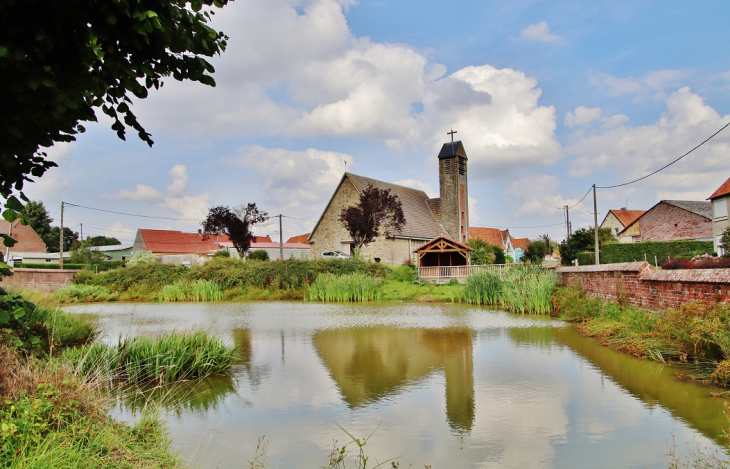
(370, 364)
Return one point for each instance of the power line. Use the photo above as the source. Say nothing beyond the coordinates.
(581, 200)
(520, 227)
(131, 214)
(667, 165)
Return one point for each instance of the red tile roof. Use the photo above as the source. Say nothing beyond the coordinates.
(627, 217)
(722, 190)
(520, 243)
(299, 239)
(27, 239)
(490, 235)
(165, 241)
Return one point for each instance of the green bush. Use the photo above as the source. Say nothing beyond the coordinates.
(630, 252)
(258, 255)
(103, 266)
(49, 266)
(142, 258)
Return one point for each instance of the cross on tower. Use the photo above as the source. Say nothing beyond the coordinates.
(452, 134)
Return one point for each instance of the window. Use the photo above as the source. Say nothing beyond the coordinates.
(447, 166)
(719, 208)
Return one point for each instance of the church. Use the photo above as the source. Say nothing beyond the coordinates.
(446, 217)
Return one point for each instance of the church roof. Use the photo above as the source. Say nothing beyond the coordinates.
(452, 149)
(420, 220)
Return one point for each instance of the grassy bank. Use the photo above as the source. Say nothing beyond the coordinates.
(694, 336)
(520, 289)
(51, 418)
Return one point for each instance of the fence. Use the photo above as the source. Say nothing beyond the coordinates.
(459, 272)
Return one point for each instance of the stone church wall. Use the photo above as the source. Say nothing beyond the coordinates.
(331, 234)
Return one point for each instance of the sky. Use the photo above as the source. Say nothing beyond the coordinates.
(549, 97)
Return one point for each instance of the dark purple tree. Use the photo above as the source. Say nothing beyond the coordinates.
(236, 224)
(376, 207)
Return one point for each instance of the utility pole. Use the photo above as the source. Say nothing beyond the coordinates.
(82, 232)
(60, 241)
(595, 224)
(281, 240)
(567, 222)
(7, 248)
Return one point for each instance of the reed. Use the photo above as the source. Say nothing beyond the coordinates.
(80, 293)
(165, 359)
(344, 288)
(482, 288)
(197, 290)
(528, 290)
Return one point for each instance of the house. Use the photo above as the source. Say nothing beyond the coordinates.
(618, 220)
(115, 252)
(513, 247)
(29, 247)
(304, 239)
(426, 218)
(671, 220)
(720, 200)
(177, 247)
(292, 250)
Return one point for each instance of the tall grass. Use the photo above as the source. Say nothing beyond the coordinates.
(198, 290)
(344, 288)
(73, 293)
(482, 288)
(528, 290)
(520, 290)
(165, 359)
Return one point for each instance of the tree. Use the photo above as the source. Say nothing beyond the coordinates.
(258, 255)
(84, 253)
(483, 252)
(59, 61)
(39, 219)
(101, 241)
(236, 224)
(376, 208)
(70, 239)
(536, 250)
(583, 240)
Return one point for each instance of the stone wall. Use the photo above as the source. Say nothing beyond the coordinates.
(331, 235)
(43, 280)
(640, 284)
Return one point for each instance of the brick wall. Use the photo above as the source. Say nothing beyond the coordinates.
(641, 285)
(666, 222)
(43, 280)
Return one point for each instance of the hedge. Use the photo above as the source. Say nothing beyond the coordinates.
(66, 266)
(230, 273)
(646, 250)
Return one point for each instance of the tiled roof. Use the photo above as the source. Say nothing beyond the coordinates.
(299, 239)
(435, 206)
(26, 237)
(490, 235)
(699, 207)
(165, 241)
(420, 220)
(627, 217)
(724, 189)
(270, 245)
(520, 243)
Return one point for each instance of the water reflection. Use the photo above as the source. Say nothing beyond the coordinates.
(369, 364)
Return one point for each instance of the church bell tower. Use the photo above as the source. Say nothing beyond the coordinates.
(454, 190)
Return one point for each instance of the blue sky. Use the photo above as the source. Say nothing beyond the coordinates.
(548, 97)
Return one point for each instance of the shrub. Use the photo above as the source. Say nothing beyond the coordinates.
(50, 266)
(222, 253)
(648, 250)
(142, 258)
(700, 263)
(258, 255)
(82, 293)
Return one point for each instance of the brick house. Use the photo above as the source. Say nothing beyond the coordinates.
(720, 200)
(426, 218)
(29, 247)
(672, 220)
(618, 220)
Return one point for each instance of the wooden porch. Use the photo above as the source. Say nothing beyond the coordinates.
(444, 274)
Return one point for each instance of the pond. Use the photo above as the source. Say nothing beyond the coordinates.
(440, 385)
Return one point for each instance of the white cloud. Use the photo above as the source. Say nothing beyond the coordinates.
(294, 68)
(54, 181)
(538, 196)
(653, 85)
(416, 184)
(189, 206)
(631, 152)
(539, 32)
(295, 182)
(141, 193)
(582, 116)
